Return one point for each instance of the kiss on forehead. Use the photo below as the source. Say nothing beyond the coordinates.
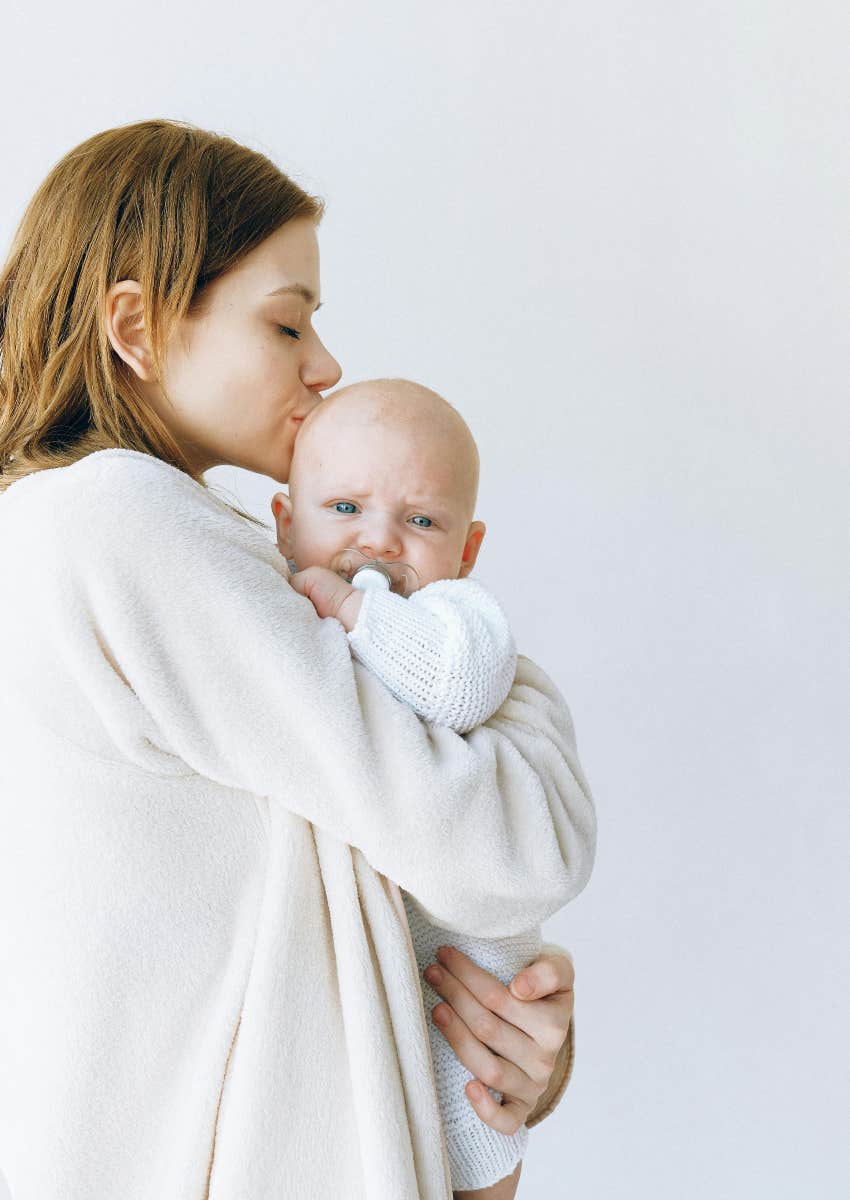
(389, 469)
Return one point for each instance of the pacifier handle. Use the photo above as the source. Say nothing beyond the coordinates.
(371, 577)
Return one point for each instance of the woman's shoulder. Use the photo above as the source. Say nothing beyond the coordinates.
(116, 468)
(83, 482)
(122, 491)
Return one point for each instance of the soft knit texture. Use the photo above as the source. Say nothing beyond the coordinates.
(207, 981)
(448, 651)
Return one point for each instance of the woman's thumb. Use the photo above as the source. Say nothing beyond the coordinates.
(522, 987)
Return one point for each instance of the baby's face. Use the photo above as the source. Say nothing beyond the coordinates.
(397, 491)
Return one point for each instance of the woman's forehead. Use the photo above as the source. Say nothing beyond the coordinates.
(285, 263)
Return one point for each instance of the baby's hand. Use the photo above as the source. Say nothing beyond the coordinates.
(329, 594)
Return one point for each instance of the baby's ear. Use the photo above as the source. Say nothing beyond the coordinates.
(282, 510)
(474, 538)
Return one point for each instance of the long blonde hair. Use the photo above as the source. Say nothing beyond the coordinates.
(162, 202)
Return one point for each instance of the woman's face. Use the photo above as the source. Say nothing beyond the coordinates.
(249, 367)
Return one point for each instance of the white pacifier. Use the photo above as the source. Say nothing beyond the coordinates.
(363, 572)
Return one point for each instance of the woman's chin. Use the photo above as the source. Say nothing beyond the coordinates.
(274, 464)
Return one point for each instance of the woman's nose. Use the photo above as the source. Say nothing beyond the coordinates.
(321, 370)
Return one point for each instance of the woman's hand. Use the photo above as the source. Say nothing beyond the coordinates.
(508, 1042)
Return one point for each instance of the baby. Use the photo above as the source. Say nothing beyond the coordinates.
(389, 469)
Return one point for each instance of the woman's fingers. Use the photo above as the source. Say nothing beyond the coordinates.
(548, 974)
(488, 1066)
(484, 1038)
(482, 995)
(508, 1044)
(505, 1117)
(520, 1093)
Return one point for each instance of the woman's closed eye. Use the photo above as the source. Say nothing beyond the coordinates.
(290, 332)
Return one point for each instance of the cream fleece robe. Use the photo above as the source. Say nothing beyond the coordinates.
(207, 982)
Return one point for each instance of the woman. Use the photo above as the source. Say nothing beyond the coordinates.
(208, 807)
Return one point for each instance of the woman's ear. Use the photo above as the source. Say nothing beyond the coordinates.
(282, 510)
(474, 538)
(125, 327)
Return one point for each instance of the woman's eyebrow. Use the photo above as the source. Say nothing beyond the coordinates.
(300, 290)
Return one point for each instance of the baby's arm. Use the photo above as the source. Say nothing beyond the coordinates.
(446, 650)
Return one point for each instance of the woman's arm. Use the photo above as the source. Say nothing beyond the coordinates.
(170, 602)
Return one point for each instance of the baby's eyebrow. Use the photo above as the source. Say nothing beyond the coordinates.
(428, 503)
(298, 289)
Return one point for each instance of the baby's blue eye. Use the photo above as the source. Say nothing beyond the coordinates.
(349, 507)
(428, 519)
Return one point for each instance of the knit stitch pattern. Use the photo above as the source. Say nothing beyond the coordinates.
(446, 650)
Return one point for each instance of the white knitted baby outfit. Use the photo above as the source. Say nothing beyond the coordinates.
(447, 651)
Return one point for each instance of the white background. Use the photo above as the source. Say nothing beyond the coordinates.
(615, 235)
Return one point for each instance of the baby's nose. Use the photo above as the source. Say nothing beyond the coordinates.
(379, 543)
(375, 549)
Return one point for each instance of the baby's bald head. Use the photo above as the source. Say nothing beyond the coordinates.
(387, 467)
(412, 421)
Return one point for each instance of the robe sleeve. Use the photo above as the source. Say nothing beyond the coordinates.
(563, 1068)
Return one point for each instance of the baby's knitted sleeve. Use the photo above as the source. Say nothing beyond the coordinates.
(446, 650)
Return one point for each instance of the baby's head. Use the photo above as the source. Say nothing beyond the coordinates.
(390, 468)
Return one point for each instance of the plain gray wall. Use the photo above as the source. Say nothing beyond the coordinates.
(615, 235)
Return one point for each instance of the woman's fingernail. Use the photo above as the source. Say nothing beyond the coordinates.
(440, 1014)
(522, 985)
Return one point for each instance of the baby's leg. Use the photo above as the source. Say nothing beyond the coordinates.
(479, 1156)
(505, 1189)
